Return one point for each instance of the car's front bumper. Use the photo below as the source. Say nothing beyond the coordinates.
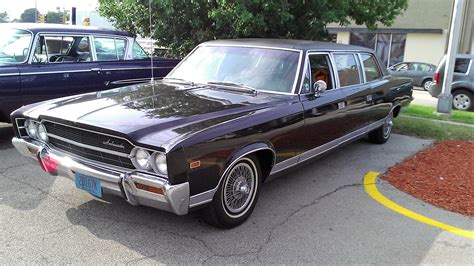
(159, 193)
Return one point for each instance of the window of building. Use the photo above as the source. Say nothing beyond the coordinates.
(371, 69)
(347, 69)
(389, 47)
(109, 49)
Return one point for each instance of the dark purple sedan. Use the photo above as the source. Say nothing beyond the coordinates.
(40, 62)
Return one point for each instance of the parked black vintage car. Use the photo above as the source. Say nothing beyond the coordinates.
(229, 115)
(46, 61)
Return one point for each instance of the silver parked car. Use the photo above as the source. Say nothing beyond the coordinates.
(463, 82)
(420, 73)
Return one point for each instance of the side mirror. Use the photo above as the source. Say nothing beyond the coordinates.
(319, 87)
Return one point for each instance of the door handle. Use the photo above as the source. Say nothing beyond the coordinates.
(96, 69)
(341, 105)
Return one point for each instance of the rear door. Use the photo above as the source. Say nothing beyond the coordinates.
(356, 91)
(62, 65)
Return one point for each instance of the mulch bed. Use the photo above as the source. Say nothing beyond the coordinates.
(442, 175)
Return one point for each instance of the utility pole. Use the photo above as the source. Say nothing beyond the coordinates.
(446, 98)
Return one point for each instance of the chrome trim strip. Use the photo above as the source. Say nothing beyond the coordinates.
(127, 81)
(87, 146)
(285, 164)
(10, 74)
(132, 68)
(207, 196)
(55, 72)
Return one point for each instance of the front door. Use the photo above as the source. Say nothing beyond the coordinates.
(61, 66)
(323, 114)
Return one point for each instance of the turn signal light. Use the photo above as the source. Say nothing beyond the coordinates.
(150, 188)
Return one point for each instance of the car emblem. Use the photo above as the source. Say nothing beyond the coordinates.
(110, 142)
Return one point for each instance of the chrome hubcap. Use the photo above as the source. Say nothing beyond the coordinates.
(239, 188)
(461, 102)
(387, 126)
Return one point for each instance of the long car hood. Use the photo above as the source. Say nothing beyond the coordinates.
(162, 111)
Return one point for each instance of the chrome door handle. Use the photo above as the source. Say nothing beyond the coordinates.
(341, 105)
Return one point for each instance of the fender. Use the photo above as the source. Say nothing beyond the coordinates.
(207, 196)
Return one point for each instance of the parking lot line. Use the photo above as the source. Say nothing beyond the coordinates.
(371, 189)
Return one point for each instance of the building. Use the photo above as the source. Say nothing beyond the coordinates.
(419, 34)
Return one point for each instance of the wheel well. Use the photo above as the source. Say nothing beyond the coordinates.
(266, 160)
(396, 110)
(460, 89)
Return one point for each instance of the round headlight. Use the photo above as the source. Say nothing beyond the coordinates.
(142, 159)
(160, 165)
(30, 128)
(42, 133)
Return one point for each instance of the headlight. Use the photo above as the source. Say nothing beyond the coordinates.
(30, 128)
(159, 163)
(42, 133)
(142, 159)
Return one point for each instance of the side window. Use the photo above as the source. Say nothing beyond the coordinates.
(401, 67)
(138, 52)
(320, 69)
(109, 49)
(461, 65)
(347, 69)
(62, 49)
(371, 69)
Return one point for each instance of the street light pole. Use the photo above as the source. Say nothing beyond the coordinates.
(446, 98)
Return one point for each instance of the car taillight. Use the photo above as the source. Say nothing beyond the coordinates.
(436, 78)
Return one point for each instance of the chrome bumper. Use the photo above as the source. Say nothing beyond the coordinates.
(173, 198)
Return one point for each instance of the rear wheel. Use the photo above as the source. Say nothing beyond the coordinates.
(236, 195)
(383, 133)
(463, 100)
(426, 84)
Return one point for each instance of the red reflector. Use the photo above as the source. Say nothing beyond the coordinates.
(48, 164)
(436, 78)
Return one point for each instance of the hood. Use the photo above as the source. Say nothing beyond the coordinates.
(161, 111)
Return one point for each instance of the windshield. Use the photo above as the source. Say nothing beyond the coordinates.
(260, 68)
(14, 46)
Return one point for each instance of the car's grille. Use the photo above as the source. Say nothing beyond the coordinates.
(90, 145)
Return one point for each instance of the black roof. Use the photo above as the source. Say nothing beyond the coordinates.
(290, 44)
(39, 27)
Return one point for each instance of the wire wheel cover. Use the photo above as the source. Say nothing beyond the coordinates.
(239, 188)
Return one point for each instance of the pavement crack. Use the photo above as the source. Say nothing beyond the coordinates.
(40, 235)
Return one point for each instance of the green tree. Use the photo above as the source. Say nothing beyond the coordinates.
(3, 17)
(29, 15)
(55, 17)
(181, 25)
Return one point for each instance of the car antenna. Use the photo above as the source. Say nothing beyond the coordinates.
(152, 45)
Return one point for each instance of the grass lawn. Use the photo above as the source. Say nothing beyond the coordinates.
(432, 129)
(427, 112)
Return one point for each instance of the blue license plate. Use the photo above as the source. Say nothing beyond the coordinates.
(88, 184)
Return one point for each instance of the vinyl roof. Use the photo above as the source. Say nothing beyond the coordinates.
(37, 27)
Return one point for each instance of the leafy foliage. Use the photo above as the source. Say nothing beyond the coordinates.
(181, 25)
(3, 17)
(55, 17)
(29, 15)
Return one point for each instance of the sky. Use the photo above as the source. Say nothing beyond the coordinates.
(14, 8)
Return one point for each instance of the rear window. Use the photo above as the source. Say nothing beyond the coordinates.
(461, 65)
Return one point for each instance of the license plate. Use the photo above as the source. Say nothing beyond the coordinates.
(89, 184)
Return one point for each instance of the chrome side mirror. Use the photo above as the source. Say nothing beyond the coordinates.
(319, 87)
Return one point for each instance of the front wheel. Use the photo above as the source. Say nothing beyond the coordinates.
(462, 100)
(383, 133)
(236, 195)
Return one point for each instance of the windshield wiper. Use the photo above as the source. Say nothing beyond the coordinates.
(234, 86)
(180, 80)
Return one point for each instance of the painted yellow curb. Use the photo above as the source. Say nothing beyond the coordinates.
(371, 189)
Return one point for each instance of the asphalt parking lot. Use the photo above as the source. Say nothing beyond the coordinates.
(318, 213)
